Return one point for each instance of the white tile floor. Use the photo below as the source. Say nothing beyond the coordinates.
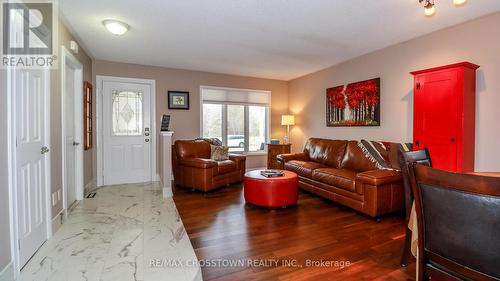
(117, 236)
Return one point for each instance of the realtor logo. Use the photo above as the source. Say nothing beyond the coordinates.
(28, 34)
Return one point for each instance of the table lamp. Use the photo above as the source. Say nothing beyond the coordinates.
(287, 120)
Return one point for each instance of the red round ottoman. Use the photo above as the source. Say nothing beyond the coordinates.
(271, 192)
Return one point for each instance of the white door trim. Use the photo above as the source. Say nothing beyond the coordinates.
(72, 61)
(99, 125)
(12, 158)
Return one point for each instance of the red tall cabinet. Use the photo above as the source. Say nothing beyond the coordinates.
(444, 115)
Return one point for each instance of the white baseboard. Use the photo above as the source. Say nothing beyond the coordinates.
(58, 221)
(167, 190)
(7, 274)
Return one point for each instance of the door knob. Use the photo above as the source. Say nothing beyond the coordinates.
(76, 143)
(44, 150)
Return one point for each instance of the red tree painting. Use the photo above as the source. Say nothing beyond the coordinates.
(355, 104)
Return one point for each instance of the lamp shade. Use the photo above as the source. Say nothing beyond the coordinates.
(287, 120)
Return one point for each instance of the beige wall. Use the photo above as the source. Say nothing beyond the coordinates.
(55, 102)
(476, 41)
(186, 123)
(4, 183)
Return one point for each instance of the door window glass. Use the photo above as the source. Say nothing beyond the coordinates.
(127, 113)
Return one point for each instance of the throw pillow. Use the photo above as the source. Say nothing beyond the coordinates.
(219, 153)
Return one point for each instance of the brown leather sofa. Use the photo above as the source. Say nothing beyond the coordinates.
(193, 167)
(339, 170)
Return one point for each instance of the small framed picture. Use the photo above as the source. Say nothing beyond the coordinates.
(178, 100)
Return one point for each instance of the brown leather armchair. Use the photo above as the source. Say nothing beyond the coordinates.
(193, 167)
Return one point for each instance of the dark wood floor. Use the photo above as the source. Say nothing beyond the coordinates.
(221, 226)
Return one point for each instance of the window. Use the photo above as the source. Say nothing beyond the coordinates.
(127, 113)
(239, 118)
(88, 131)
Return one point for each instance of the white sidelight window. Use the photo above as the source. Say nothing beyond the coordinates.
(238, 117)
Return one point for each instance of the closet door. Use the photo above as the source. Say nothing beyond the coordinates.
(436, 116)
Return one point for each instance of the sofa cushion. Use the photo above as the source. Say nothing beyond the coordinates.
(326, 152)
(355, 159)
(303, 168)
(342, 178)
(379, 177)
(226, 166)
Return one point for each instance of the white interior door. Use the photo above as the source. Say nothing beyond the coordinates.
(127, 132)
(30, 92)
(70, 142)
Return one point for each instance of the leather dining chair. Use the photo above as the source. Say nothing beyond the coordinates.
(458, 218)
(405, 158)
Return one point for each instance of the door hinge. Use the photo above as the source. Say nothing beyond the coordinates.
(418, 85)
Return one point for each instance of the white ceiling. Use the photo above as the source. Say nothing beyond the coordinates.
(281, 39)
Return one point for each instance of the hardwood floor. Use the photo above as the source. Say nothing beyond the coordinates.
(222, 228)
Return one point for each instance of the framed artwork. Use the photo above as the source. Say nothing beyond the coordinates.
(178, 100)
(353, 105)
(88, 126)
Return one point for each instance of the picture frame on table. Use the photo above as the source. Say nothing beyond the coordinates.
(178, 100)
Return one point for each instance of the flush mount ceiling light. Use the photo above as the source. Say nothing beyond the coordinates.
(116, 27)
(430, 6)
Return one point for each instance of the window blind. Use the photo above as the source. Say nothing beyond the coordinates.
(227, 95)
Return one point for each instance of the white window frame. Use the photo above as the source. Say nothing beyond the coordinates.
(246, 130)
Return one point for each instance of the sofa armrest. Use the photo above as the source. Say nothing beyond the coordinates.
(283, 158)
(379, 177)
(198, 163)
(240, 161)
(237, 158)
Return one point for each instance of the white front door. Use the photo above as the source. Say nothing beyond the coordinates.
(127, 132)
(70, 141)
(30, 90)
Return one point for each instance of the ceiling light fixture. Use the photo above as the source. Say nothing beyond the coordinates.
(116, 27)
(459, 2)
(429, 7)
